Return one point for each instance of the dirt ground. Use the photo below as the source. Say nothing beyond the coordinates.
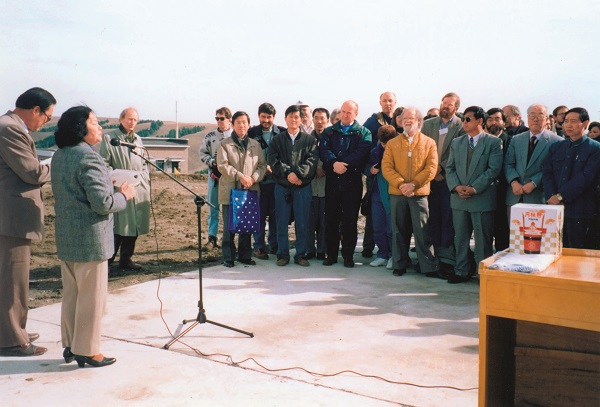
(171, 246)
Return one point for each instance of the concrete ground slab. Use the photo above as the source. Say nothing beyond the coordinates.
(414, 341)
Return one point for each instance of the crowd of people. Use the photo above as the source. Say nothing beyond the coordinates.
(437, 180)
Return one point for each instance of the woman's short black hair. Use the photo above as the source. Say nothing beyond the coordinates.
(72, 126)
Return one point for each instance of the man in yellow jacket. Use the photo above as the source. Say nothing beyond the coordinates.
(409, 164)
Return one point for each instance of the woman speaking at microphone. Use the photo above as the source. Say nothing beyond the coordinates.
(85, 200)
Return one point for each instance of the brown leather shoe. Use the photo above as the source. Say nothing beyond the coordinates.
(33, 337)
(301, 261)
(260, 254)
(27, 349)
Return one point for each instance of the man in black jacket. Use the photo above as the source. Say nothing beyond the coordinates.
(344, 149)
(293, 160)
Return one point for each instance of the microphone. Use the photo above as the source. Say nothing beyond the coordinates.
(116, 142)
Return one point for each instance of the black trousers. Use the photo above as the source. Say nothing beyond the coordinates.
(341, 213)
(127, 246)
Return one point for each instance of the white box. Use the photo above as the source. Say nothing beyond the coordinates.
(536, 229)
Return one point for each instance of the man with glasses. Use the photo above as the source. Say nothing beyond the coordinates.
(21, 215)
(208, 155)
(570, 174)
(524, 158)
(264, 133)
(472, 172)
(443, 130)
(494, 125)
(559, 117)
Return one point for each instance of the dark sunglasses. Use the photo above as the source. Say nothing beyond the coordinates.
(220, 119)
(466, 119)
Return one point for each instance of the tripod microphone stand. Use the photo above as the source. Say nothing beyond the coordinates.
(201, 318)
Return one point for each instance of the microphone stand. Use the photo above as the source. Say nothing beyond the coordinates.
(201, 317)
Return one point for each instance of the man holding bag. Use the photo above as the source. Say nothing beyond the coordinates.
(242, 165)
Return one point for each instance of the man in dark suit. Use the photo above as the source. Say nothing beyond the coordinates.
(524, 159)
(21, 215)
(443, 130)
(494, 125)
(570, 174)
(472, 173)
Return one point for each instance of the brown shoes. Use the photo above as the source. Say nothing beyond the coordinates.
(301, 261)
(260, 254)
(27, 349)
(282, 261)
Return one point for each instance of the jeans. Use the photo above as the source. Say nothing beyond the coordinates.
(299, 199)
(267, 208)
(382, 226)
(213, 214)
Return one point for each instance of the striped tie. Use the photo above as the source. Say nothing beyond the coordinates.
(471, 143)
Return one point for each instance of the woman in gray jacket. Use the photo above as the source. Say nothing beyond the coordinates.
(85, 200)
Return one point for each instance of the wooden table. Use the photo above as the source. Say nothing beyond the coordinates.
(539, 333)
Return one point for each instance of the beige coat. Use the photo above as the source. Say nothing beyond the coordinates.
(232, 162)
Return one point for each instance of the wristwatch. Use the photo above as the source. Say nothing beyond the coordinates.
(559, 197)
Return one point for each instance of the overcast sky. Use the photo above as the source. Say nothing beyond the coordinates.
(207, 54)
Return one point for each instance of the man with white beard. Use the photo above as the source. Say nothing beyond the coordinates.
(409, 164)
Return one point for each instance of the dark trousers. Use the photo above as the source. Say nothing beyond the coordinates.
(267, 209)
(316, 225)
(341, 212)
(575, 231)
(127, 246)
(368, 239)
(228, 246)
(440, 222)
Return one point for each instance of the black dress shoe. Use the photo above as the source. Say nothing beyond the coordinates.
(130, 266)
(33, 337)
(367, 254)
(309, 256)
(228, 263)
(436, 274)
(320, 256)
(68, 355)
(348, 263)
(455, 279)
(82, 360)
(27, 349)
(248, 262)
(399, 272)
(329, 261)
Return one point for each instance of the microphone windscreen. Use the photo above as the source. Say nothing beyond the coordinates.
(115, 142)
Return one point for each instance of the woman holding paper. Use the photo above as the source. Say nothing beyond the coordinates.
(241, 162)
(85, 200)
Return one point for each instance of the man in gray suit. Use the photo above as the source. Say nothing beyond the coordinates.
(21, 215)
(524, 158)
(443, 130)
(472, 172)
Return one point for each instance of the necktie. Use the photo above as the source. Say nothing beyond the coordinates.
(532, 143)
(471, 143)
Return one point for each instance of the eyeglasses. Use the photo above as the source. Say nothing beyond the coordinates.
(48, 118)
(536, 116)
(220, 119)
(467, 119)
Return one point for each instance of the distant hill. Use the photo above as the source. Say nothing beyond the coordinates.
(195, 139)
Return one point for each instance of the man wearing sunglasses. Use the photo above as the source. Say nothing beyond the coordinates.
(474, 164)
(208, 155)
(21, 215)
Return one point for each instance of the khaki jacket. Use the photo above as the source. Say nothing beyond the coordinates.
(233, 161)
(403, 163)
